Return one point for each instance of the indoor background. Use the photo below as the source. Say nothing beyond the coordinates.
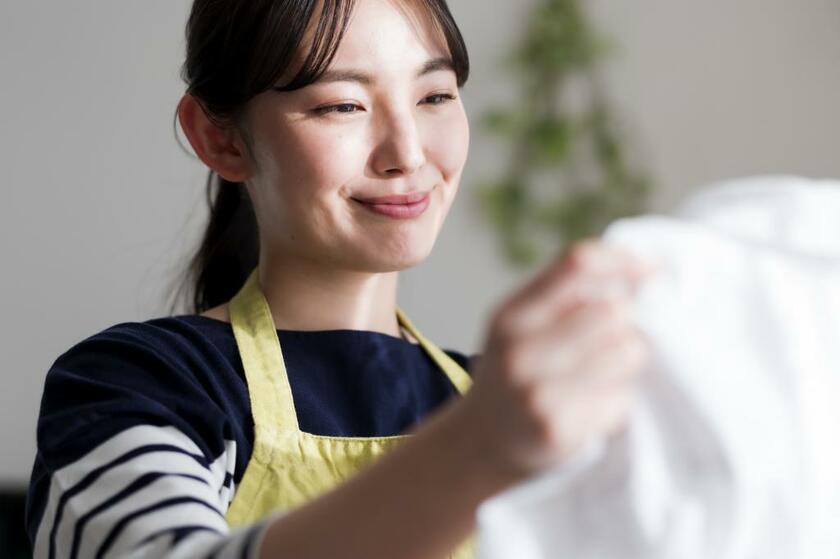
(99, 205)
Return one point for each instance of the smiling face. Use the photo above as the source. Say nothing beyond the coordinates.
(386, 119)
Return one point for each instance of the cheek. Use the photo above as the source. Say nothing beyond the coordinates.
(303, 171)
(449, 148)
(316, 163)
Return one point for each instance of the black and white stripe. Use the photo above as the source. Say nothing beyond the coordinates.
(146, 492)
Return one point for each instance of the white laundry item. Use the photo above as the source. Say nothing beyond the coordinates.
(732, 450)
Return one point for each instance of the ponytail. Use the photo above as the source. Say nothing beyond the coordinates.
(230, 248)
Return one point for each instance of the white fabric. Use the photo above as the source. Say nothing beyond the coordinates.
(733, 448)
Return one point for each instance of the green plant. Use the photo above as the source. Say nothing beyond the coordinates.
(568, 175)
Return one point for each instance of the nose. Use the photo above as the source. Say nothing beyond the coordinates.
(399, 150)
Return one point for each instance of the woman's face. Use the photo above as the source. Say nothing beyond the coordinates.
(388, 122)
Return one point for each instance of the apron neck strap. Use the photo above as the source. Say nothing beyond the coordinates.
(272, 405)
(457, 375)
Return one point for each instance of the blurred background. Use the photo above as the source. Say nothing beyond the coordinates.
(100, 206)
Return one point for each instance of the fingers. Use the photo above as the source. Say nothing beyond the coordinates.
(588, 270)
(603, 381)
(562, 359)
(571, 409)
(561, 347)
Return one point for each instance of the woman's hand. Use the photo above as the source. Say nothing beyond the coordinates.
(558, 367)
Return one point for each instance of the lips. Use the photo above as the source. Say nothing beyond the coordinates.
(401, 199)
(399, 206)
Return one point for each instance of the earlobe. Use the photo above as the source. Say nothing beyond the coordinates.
(215, 145)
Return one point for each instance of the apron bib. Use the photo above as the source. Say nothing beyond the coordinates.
(289, 467)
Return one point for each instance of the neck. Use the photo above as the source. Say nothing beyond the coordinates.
(304, 295)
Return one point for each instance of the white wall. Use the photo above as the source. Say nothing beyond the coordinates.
(99, 204)
(96, 195)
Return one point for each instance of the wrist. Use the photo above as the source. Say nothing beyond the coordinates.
(471, 453)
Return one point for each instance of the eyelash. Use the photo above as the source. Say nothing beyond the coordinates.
(334, 108)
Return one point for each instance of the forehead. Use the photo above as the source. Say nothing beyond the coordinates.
(388, 35)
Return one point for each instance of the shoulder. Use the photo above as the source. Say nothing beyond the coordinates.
(174, 337)
(164, 371)
(153, 401)
(168, 350)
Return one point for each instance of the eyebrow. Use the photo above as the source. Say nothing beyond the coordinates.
(349, 75)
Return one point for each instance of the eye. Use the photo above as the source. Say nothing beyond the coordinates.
(344, 108)
(439, 98)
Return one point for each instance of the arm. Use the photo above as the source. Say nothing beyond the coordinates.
(147, 491)
(135, 459)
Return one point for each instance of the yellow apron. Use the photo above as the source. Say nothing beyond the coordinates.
(289, 467)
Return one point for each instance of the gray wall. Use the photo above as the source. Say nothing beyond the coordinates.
(99, 205)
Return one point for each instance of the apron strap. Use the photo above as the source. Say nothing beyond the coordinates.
(272, 406)
(457, 375)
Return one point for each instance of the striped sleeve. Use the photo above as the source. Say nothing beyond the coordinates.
(136, 458)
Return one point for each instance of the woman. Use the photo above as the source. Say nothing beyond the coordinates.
(338, 137)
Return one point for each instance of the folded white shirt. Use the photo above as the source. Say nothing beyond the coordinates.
(732, 449)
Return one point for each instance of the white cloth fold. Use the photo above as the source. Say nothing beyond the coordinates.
(731, 451)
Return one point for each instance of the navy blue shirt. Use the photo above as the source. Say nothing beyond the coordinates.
(145, 428)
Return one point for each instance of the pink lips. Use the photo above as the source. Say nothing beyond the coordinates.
(402, 206)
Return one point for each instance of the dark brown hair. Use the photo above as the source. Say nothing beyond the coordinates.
(236, 49)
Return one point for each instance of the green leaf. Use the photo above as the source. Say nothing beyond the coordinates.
(551, 139)
(520, 251)
(559, 47)
(502, 122)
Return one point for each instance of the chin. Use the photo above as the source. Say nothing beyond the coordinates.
(394, 258)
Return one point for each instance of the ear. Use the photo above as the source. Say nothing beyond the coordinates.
(221, 148)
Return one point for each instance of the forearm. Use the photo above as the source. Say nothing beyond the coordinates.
(419, 501)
